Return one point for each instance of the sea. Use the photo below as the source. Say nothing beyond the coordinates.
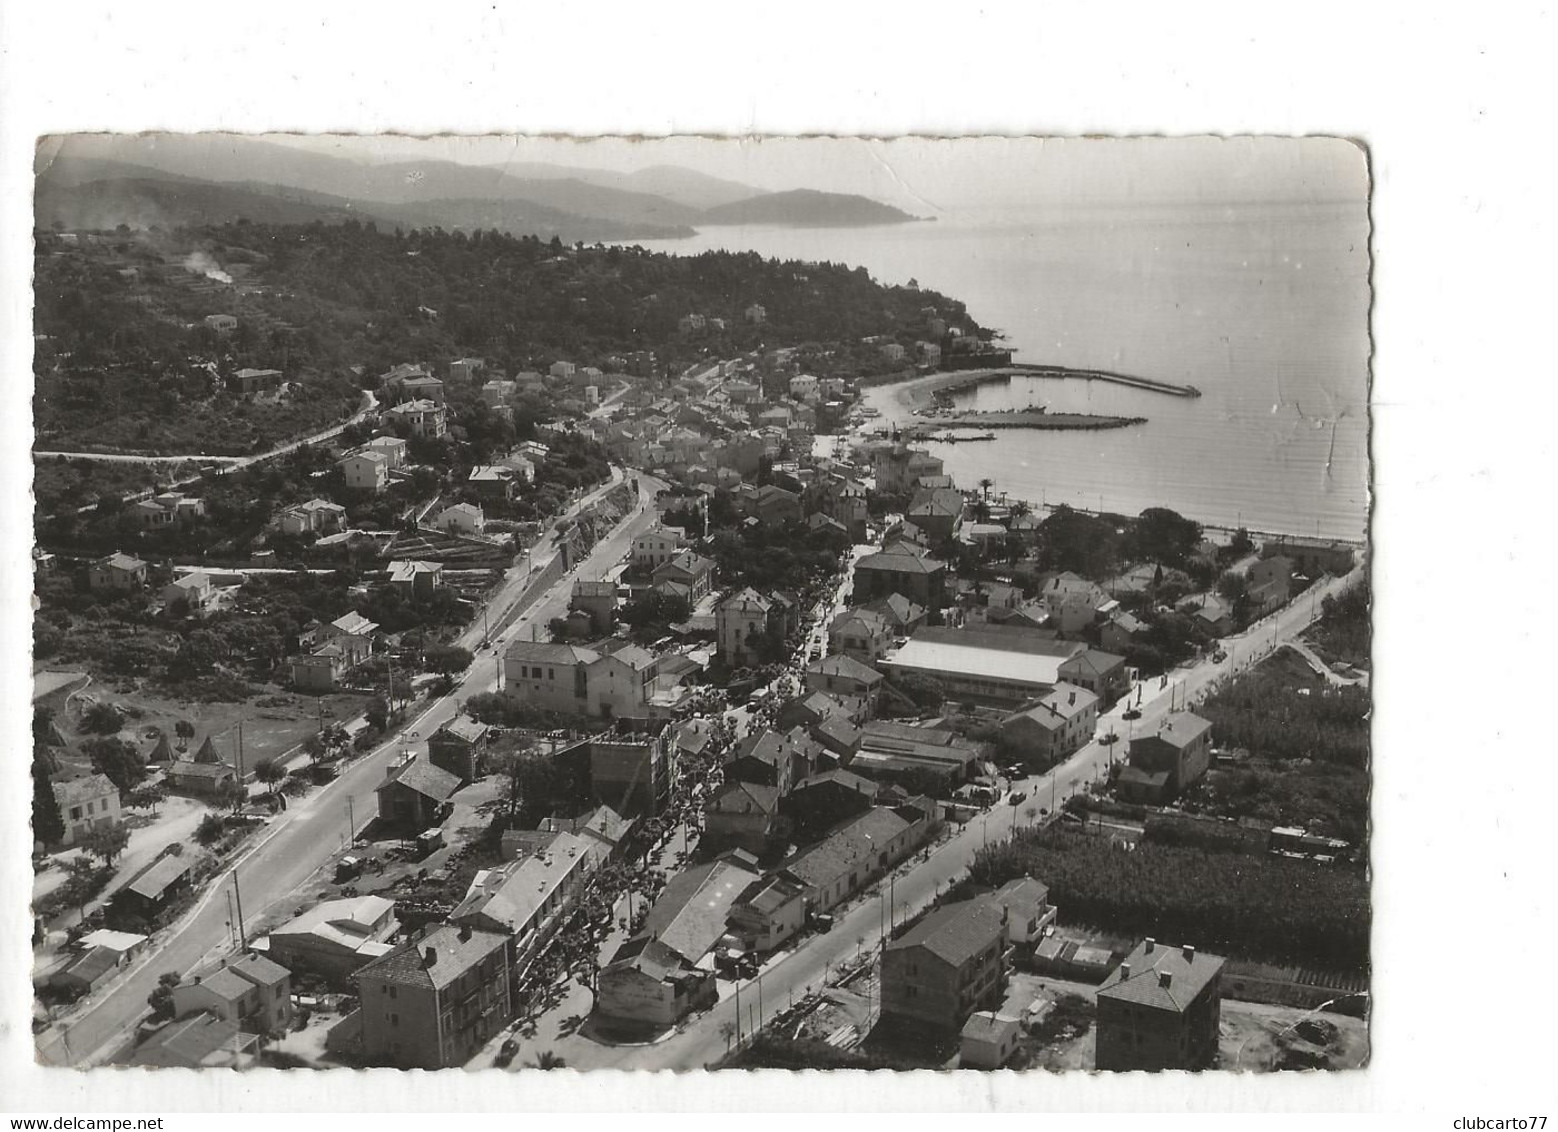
(1263, 307)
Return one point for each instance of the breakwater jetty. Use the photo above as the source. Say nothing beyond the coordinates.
(1148, 383)
(943, 385)
(1035, 419)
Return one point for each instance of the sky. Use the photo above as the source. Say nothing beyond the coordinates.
(936, 176)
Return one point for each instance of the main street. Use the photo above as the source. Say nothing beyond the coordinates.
(703, 1041)
(299, 841)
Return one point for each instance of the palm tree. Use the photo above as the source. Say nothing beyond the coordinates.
(985, 485)
(1019, 509)
(546, 1059)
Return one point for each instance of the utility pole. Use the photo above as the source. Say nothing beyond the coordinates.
(351, 818)
(243, 935)
(240, 750)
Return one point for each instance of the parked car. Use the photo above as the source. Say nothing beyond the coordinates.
(1018, 798)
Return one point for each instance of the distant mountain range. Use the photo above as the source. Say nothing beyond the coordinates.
(101, 181)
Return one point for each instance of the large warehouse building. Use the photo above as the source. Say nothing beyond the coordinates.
(1003, 665)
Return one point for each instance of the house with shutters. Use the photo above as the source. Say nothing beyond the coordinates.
(860, 633)
(1059, 723)
(317, 516)
(457, 747)
(657, 546)
(434, 1001)
(769, 913)
(598, 600)
(365, 471)
(740, 815)
(900, 570)
(741, 621)
(688, 569)
(856, 853)
(87, 804)
(249, 990)
(422, 417)
(1165, 763)
(461, 519)
(353, 634)
(120, 572)
(945, 968)
(1160, 1009)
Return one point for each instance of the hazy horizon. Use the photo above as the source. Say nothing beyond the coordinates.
(919, 174)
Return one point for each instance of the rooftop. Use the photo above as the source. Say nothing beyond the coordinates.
(845, 667)
(354, 624)
(435, 960)
(900, 562)
(544, 652)
(88, 788)
(1011, 655)
(1181, 728)
(955, 933)
(513, 895)
(426, 779)
(857, 841)
(347, 922)
(1058, 706)
(154, 879)
(1162, 976)
(690, 915)
(189, 1043)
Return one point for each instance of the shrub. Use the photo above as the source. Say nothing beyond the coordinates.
(1256, 907)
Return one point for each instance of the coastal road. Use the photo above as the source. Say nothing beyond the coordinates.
(298, 842)
(917, 884)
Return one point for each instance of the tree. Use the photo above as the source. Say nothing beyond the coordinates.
(1162, 535)
(102, 719)
(118, 760)
(161, 998)
(447, 660)
(107, 843)
(1232, 585)
(210, 829)
(48, 825)
(184, 729)
(271, 771)
(377, 713)
(232, 795)
(656, 609)
(546, 1059)
(984, 486)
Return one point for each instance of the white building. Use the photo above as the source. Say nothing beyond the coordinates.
(461, 519)
(365, 471)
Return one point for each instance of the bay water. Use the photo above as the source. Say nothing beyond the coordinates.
(1263, 307)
